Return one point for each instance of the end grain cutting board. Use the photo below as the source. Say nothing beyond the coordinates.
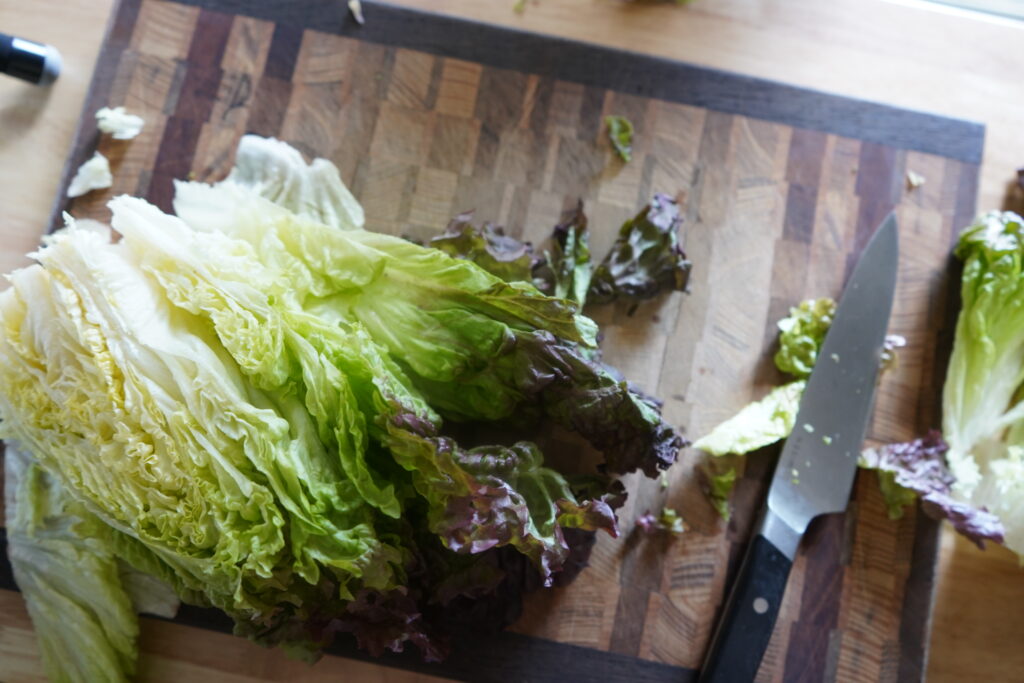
(428, 116)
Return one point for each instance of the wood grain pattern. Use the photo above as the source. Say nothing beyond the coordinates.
(421, 136)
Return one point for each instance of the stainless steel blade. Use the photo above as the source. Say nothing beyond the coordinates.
(815, 471)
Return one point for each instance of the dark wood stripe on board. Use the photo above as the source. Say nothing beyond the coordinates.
(626, 72)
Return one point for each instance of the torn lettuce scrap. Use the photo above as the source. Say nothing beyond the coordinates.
(918, 468)
(801, 335)
(94, 174)
(757, 425)
(119, 123)
(620, 132)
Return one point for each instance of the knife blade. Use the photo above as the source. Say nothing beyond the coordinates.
(815, 471)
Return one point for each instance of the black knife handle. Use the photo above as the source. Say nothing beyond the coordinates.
(749, 617)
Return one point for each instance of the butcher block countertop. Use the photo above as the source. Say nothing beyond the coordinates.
(908, 54)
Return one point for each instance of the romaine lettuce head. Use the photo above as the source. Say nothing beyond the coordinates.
(246, 404)
(982, 407)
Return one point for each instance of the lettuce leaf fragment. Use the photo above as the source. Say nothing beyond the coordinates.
(801, 334)
(918, 469)
(620, 132)
(757, 425)
(488, 247)
(646, 257)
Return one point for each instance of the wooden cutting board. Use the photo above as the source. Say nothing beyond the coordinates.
(428, 116)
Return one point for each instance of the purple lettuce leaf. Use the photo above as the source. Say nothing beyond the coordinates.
(646, 258)
(490, 496)
(387, 621)
(668, 522)
(488, 247)
(591, 398)
(542, 375)
(919, 467)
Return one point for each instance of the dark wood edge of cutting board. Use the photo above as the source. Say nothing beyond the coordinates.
(626, 72)
(568, 60)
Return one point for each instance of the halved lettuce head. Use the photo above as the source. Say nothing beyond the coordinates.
(248, 402)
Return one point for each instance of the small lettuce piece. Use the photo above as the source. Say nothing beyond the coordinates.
(94, 174)
(488, 247)
(646, 257)
(570, 258)
(918, 468)
(119, 123)
(892, 343)
(758, 424)
(620, 132)
(896, 497)
(801, 335)
(669, 521)
(717, 486)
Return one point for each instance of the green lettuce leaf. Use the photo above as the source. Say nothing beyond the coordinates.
(717, 486)
(758, 424)
(801, 334)
(277, 171)
(982, 410)
(620, 132)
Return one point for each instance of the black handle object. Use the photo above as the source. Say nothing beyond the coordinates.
(749, 616)
(29, 61)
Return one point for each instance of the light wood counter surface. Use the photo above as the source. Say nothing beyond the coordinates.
(910, 54)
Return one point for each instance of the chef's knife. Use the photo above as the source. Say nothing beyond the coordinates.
(815, 471)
